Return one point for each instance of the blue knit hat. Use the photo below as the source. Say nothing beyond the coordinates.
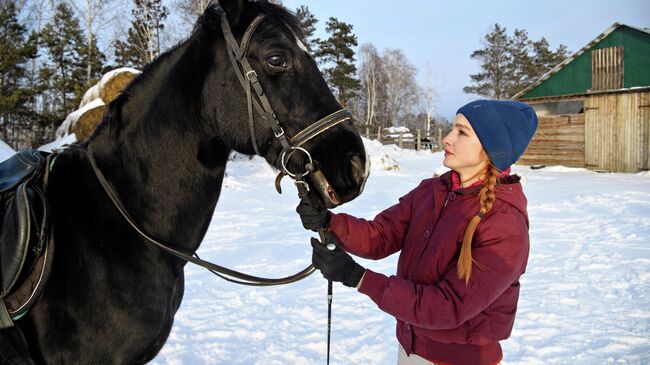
(504, 128)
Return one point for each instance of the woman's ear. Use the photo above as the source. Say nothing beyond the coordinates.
(234, 10)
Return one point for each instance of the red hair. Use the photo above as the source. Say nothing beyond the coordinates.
(486, 199)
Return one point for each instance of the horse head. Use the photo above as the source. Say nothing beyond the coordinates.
(266, 53)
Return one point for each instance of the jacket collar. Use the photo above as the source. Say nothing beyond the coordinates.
(447, 180)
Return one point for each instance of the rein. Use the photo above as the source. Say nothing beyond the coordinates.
(249, 80)
(223, 272)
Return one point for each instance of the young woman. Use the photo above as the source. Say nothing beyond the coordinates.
(462, 238)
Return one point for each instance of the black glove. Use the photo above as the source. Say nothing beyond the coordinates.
(313, 213)
(335, 265)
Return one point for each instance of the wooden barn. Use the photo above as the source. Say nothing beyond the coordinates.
(594, 108)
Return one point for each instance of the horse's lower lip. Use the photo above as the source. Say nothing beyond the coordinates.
(332, 195)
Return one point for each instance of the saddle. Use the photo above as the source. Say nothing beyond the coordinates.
(25, 247)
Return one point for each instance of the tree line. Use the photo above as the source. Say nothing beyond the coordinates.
(510, 63)
(49, 57)
(52, 51)
(379, 88)
(384, 92)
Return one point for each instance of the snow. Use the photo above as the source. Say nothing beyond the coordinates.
(66, 127)
(93, 93)
(585, 298)
(397, 130)
(5, 151)
(59, 143)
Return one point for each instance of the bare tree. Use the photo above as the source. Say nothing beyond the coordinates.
(95, 18)
(401, 89)
(189, 10)
(430, 99)
(142, 44)
(36, 16)
(371, 74)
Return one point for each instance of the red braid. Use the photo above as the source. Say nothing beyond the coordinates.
(486, 198)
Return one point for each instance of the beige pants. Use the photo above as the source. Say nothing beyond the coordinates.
(404, 359)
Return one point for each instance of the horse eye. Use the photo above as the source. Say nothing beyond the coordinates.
(277, 61)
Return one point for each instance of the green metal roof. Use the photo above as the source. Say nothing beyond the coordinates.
(573, 75)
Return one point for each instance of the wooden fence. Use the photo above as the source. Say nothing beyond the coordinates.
(418, 140)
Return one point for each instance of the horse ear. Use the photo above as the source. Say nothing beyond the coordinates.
(234, 10)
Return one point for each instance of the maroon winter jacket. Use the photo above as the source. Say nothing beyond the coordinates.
(439, 317)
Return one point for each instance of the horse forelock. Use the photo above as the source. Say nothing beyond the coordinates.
(211, 17)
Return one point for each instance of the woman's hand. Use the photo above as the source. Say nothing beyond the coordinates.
(336, 265)
(313, 213)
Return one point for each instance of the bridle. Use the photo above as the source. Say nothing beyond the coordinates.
(289, 145)
(249, 80)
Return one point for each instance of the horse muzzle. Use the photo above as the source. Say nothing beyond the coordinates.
(317, 181)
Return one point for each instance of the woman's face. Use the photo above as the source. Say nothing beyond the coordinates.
(463, 148)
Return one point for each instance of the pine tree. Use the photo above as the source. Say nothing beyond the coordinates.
(337, 52)
(495, 59)
(15, 53)
(62, 37)
(142, 44)
(520, 71)
(308, 22)
(544, 59)
(510, 64)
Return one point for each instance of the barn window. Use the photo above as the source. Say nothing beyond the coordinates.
(607, 68)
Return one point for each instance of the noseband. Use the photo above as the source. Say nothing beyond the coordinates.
(249, 80)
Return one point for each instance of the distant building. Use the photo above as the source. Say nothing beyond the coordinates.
(594, 108)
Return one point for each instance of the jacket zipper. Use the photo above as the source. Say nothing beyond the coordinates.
(450, 196)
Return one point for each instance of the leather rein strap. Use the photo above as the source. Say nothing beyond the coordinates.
(223, 272)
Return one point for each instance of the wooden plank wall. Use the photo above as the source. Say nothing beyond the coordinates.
(559, 140)
(617, 132)
(607, 68)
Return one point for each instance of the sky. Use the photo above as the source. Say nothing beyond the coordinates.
(443, 34)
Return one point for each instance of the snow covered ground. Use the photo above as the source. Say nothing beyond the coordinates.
(585, 298)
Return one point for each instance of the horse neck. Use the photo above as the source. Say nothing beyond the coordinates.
(164, 166)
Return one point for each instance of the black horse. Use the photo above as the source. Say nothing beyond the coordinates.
(163, 146)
